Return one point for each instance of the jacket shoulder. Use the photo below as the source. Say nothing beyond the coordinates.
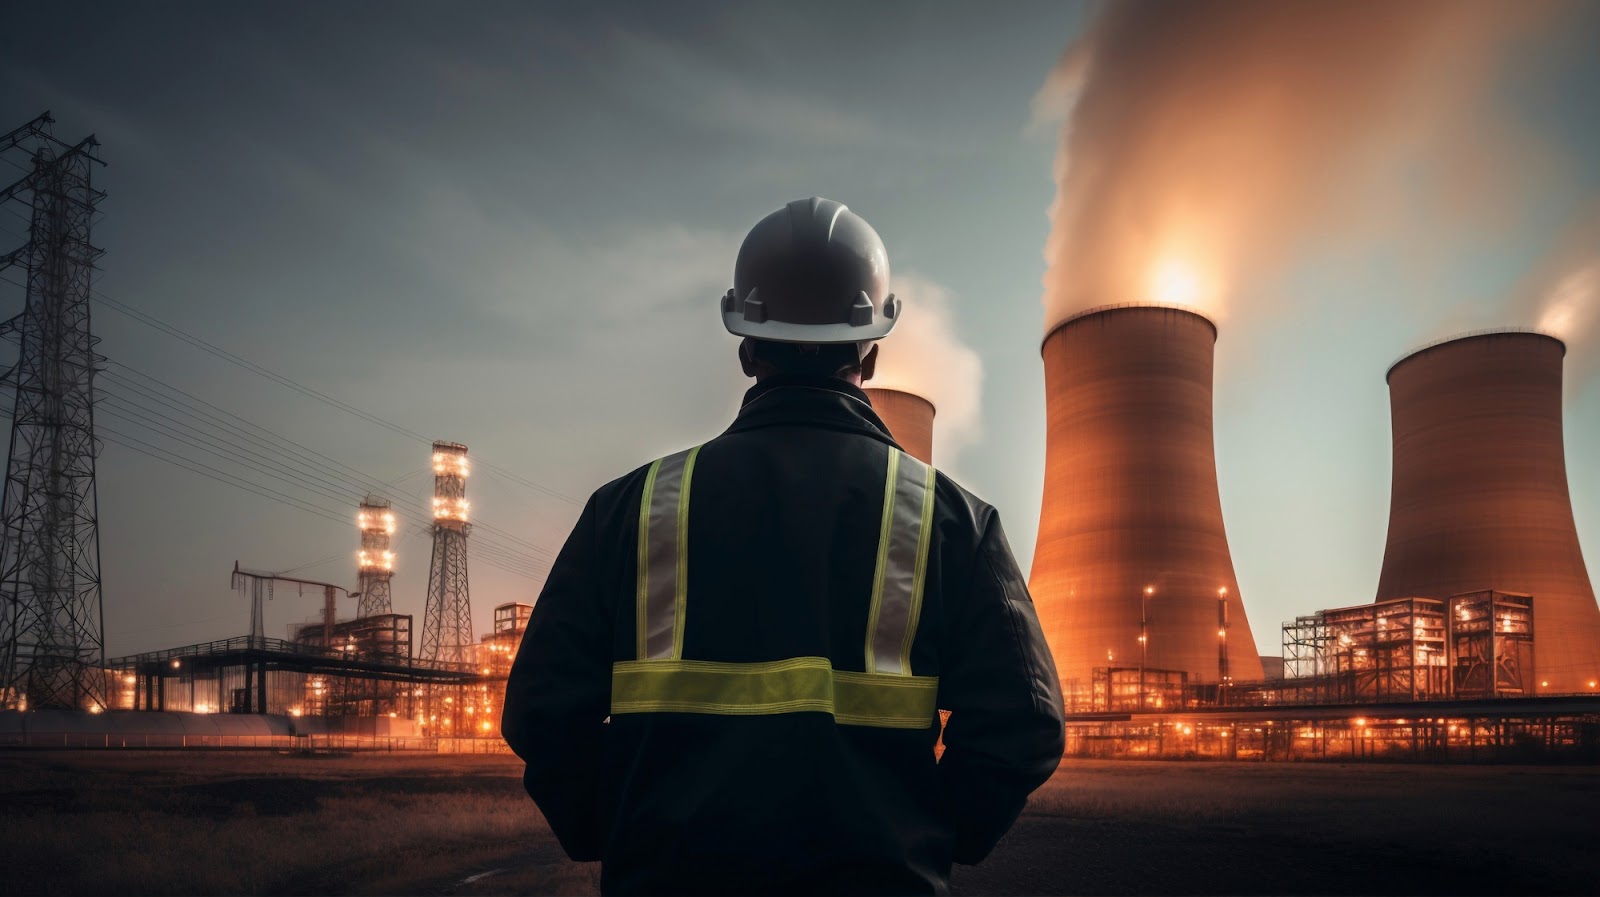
(619, 488)
(629, 485)
(960, 507)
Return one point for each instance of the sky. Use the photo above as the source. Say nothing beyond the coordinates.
(509, 225)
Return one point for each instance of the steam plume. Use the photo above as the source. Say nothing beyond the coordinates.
(924, 357)
(1562, 295)
(1201, 139)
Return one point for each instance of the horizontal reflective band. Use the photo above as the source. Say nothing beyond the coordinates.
(797, 685)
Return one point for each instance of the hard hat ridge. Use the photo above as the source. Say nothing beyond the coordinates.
(811, 272)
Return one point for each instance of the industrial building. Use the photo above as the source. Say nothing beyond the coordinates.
(359, 682)
(1131, 568)
(1483, 641)
(1480, 496)
(909, 418)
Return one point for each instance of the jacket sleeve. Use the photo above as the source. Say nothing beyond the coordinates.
(559, 694)
(1005, 734)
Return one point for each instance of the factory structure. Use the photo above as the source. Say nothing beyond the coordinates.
(909, 418)
(1131, 571)
(1481, 642)
(362, 680)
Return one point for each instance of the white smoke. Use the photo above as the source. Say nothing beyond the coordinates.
(1570, 305)
(1561, 295)
(925, 357)
(1202, 142)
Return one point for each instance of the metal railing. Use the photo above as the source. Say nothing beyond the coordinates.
(304, 743)
(240, 643)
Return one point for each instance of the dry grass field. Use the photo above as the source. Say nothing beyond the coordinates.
(169, 823)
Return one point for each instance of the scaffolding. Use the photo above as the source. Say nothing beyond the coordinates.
(246, 674)
(498, 649)
(384, 635)
(1476, 644)
(1135, 688)
(1565, 728)
(1491, 641)
(1388, 651)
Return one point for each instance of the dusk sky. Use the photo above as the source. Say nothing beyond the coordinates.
(509, 225)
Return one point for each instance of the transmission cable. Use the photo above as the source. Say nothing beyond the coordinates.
(242, 362)
(283, 459)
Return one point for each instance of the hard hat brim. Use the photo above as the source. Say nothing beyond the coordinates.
(810, 334)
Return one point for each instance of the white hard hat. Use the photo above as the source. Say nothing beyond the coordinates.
(811, 272)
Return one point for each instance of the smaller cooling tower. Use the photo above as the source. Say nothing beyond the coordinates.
(909, 418)
(1479, 494)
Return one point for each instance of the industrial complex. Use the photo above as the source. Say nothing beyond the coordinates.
(1482, 640)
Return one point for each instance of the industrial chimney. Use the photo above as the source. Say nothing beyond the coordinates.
(1480, 496)
(909, 419)
(1131, 502)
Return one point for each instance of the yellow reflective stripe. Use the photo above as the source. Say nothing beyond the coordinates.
(888, 702)
(680, 606)
(796, 685)
(642, 579)
(663, 563)
(885, 530)
(919, 579)
(899, 579)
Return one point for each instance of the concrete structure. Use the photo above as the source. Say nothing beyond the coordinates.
(1480, 497)
(909, 418)
(1131, 502)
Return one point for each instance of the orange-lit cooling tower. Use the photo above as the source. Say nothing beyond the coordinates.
(909, 419)
(1131, 501)
(1480, 496)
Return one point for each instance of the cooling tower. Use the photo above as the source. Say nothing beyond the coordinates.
(909, 419)
(1479, 496)
(1130, 501)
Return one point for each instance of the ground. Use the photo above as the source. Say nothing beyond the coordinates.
(245, 823)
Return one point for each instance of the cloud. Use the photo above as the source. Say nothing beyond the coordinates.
(1207, 141)
(925, 356)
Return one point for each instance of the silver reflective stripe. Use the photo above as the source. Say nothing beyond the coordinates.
(663, 552)
(902, 564)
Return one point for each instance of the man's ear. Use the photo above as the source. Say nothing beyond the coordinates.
(747, 360)
(869, 363)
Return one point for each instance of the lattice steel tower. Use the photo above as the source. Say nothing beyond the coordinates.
(447, 618)
(375, 560)
(51, 622)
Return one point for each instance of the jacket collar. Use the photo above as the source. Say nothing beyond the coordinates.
(798, 399)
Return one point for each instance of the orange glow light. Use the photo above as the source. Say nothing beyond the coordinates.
(1174, 283)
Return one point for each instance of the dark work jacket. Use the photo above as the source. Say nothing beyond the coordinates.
(785, 510)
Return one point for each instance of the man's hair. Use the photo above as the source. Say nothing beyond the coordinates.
(815, 360)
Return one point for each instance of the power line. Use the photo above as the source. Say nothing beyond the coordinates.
(275, 471)
(205, 470)
(495, 556)
(290, 467)
(213, 473)
(363, 481)
(242, 362)
(246, 364)
(491, 556)
(327, 560)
